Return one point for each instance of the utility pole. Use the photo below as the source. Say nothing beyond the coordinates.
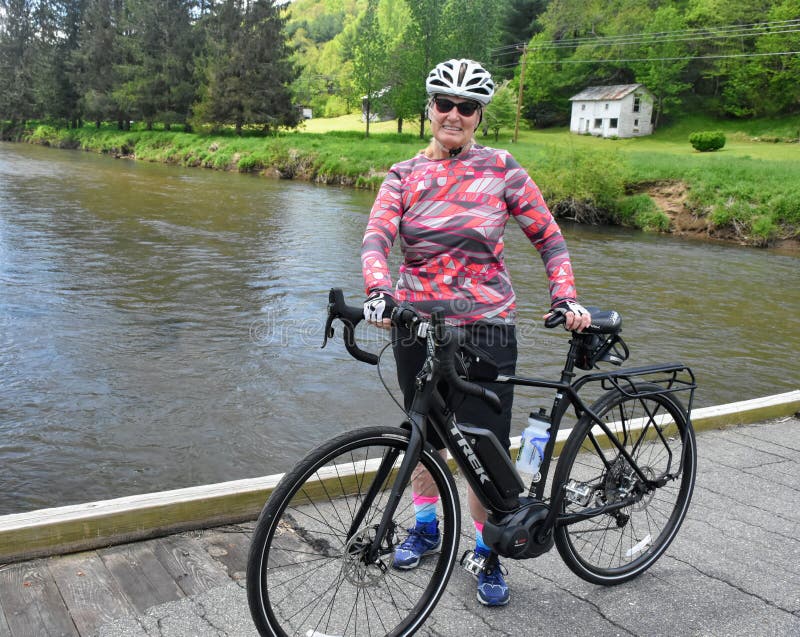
(519, 96)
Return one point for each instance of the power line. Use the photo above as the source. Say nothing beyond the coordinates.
(690, 57)
(693, 38)
(756, 29)
(724, 30)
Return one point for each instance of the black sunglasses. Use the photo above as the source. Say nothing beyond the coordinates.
(464, 108)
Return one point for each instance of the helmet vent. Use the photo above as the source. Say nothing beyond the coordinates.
(461, 72)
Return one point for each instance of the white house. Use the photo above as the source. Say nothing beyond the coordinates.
(622, 110)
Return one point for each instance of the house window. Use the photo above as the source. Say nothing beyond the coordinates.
(583, 107)
(598, 123)
(614, 123)
(606, 105)
(636, 103)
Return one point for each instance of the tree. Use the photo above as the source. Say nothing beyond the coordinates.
(407, 97)
(94, 64)
(470, 29)
(439, 31)
(519, 23)
(717, 59)
(50, 85)
(248, 70)
(667, 60)
(368, 53)
(768, 83)
(16, 60)
(66, 96)
(427, 33)
(550, 80)
(404, 97)
(159, 84)
(315, 40)
(501, 112)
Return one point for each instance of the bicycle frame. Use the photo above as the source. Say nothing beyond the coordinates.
(429, 408)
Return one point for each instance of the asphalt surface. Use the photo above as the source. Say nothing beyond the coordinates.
(733, 570)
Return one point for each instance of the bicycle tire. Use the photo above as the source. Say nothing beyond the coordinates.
(304, 577)
(614, 547)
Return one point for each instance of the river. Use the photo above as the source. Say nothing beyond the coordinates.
(160, 327)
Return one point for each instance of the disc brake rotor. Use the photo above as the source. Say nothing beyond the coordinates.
(356, 569)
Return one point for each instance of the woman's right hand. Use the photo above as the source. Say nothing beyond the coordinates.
(378, 309)
(576, 317)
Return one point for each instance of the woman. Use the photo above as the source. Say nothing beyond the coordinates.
(450, 205)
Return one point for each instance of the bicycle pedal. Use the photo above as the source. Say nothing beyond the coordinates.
(473, 562)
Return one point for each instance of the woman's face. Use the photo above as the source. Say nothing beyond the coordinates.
(451, 128)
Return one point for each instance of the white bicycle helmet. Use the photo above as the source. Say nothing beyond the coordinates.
(461, 78)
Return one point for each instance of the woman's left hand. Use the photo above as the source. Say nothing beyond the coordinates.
(576, 317)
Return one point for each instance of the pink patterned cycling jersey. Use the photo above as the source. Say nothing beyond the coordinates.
(451, 215)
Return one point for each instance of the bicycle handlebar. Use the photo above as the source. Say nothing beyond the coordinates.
(350, 316)
(447, 337)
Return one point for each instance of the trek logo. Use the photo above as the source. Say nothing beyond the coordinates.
(470, 454)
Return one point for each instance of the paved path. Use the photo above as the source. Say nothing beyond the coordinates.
(734, 569)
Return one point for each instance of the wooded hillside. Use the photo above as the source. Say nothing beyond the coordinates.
(254, 62)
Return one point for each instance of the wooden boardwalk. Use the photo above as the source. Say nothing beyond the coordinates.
(741, 515)
(74, 595)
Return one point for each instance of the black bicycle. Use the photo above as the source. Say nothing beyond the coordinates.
(320, 562)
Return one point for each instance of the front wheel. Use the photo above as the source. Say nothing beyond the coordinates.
(308, 572)
(598, 539)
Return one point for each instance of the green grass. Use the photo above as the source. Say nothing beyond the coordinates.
(750, 189)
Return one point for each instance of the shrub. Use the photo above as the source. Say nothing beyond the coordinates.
(763, 229)
(733, 212)
(588, 183)
(706, 141)
(248, 164)
(640, 211)
(45, 135)
(785, 207)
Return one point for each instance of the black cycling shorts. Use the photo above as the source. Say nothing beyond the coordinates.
(500, 342)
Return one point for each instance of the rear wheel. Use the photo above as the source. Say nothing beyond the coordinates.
(613, 544)
(308, 573)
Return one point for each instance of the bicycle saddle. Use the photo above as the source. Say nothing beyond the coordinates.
(604, 322)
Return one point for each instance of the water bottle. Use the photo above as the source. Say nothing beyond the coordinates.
(534, 440)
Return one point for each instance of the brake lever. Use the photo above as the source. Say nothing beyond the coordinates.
(557, 317)
(328, 326)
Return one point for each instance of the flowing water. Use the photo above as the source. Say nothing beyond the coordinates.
(160, 327)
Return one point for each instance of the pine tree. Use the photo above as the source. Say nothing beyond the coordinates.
(17, 97)
(247, 69)
(93, 64)
(159, 82)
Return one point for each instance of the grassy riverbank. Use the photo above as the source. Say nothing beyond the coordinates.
(748, 192)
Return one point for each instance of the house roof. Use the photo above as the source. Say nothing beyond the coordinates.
(605, 93)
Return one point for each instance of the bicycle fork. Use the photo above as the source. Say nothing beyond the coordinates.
(403, 477)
